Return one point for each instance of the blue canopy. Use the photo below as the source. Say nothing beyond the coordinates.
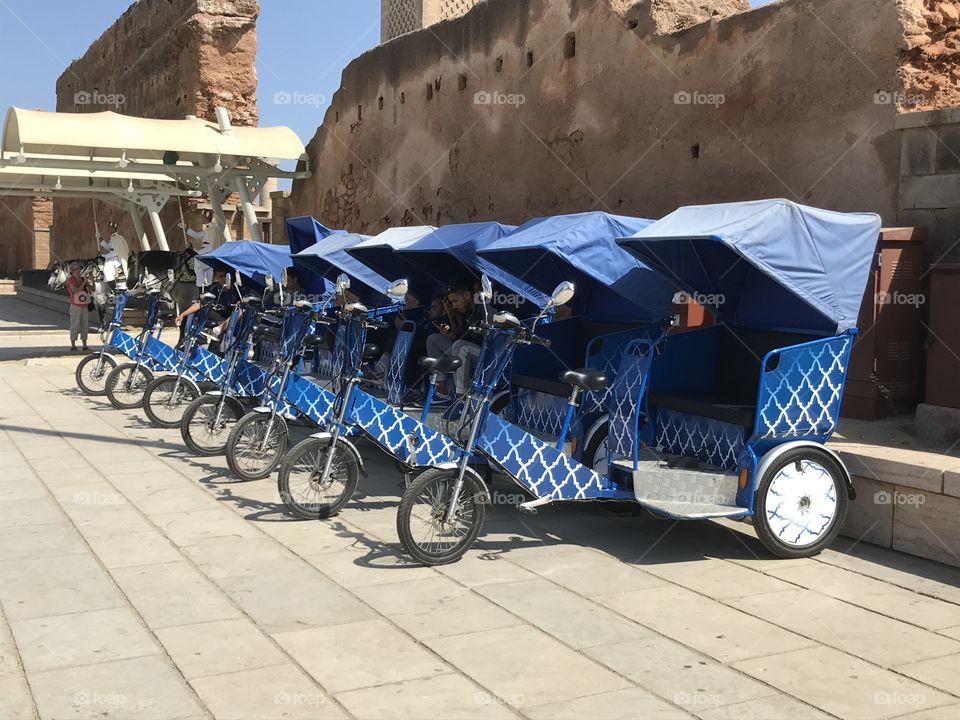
(329, 258)
(254, 260)
(378, 253)
(610, 284)
(302, 232)
(766, 264)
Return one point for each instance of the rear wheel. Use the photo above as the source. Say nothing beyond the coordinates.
(595, 454)
(166, 399)
(252, 454)
(421, 521)
(300, 485)
(92, 373)
(801, 503)
(126, 384)
(202, 433)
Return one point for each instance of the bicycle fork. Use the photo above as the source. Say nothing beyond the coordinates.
(464, 459)
(336, 429)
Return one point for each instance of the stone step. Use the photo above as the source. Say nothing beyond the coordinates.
(8, 287)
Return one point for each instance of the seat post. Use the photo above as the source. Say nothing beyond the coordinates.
(431, 389)
(572, 404)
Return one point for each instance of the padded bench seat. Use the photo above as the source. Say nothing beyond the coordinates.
(742, 415)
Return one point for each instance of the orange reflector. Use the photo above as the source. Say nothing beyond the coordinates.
(743, 478)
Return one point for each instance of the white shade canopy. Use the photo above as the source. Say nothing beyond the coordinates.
(111, 135)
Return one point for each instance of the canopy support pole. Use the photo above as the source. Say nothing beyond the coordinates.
(248, 212)
(158, 230)
(138, 227)
(217, 195)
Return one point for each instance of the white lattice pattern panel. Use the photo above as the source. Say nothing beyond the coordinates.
(450, 9)
(400, 17)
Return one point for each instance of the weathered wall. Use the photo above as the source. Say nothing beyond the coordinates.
(25, 240)
(929, 55)
(612, 118)
(160, 59)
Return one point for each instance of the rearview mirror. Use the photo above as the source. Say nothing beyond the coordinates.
(486, 288)
(343, 283)
(269, 283)
(398, 291)
(562, 294)
(283, 277)
(238, 280)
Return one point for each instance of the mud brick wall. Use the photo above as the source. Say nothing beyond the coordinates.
(523, 108)
(161, 59)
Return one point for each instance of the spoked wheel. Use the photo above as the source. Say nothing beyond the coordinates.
(126, 384)
(92, 373)
(421, 518)
(202, 433)
(252, 455)
(801, 503)
(165, 400)
(595, 454)
(300, 485)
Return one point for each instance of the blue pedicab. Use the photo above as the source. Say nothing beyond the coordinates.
(92, 372)
(207, 421)
(167, 397)
(320, 474)
(693, 435)
(126, 383)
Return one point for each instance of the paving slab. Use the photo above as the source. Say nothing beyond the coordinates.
(359, 655)
(859, 632)
(781, 707)
(677, 674)
(435, 606)
(717, 578)
(16, 702)
(537, 671)
(617, 705)
(142, 688)
(843, 685)
(222, 646)
(282, 692)
(32, 542)
(704, 624)
(133, 549)
(174, 593)
(449, 696)
(82, 639)
(941, 672)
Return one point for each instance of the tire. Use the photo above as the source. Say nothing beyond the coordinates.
(89, 382)
(197, 430)
(248, 461)
(801, 503)
(425, 499)
(119, 395)
(595, 454)
(298, 481)
(157, 405)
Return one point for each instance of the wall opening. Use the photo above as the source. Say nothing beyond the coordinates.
(380, 102)
(529, 58)
(462, 82)
(570, 45)
(429, 91)
(403, 98)
(695, 151)
(499, 64)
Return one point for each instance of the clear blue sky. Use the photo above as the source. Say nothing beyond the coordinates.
(303, 46)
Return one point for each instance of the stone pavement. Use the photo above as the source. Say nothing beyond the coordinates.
(139, 582)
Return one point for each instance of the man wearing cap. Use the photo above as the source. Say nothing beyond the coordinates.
(79, 289)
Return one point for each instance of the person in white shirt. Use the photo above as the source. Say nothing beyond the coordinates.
(115, 251)
(200, 241)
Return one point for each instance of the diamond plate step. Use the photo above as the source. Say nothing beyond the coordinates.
(697, 492)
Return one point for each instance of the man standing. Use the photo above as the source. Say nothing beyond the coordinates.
(201, 243)
(115, 252)
(79, 289)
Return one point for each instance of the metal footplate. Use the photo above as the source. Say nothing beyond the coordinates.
(697, 492)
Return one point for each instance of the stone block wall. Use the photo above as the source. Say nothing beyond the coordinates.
(161, 59)
(523, 108)
(24, 234)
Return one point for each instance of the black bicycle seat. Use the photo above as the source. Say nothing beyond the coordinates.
(370, 351)
(442, 365)
(585, 379)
